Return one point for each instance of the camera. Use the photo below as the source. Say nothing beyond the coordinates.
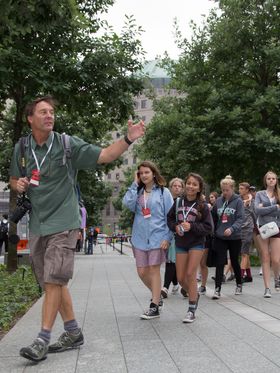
(23, 206)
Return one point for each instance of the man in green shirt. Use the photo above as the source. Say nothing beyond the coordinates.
(55, 219)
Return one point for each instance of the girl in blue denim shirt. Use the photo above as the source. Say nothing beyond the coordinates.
(150, 201)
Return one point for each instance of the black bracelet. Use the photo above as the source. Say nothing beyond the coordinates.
(126, 139)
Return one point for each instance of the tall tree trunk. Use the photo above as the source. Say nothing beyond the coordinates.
(12, 262)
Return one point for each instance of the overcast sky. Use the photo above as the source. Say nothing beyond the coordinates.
(157, 17)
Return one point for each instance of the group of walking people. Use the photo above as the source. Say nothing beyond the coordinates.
(177, 226)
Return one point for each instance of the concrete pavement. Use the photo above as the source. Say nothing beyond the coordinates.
(233, 334)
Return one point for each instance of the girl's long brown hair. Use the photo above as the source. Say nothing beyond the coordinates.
(158, 178)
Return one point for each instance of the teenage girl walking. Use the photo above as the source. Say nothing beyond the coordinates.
(191, 220)
(176, 187)
(150, 201)
(267, 209)
(228, 215)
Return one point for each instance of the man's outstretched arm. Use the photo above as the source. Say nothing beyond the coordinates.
(115, 150)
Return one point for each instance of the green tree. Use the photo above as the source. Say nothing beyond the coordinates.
(52, 47)
(226, 117)
(126, 216)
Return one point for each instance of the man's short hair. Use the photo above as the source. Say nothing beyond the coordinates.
(252, 188)
(29, 109)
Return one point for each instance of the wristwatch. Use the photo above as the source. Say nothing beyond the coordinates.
(126, 139)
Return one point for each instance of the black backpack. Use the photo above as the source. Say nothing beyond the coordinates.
(3, 230)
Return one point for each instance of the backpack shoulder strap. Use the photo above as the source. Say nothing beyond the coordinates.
(23, 143)
(177, 207)
(66, 160)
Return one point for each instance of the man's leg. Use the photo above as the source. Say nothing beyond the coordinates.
(66, 306)
(51, 305)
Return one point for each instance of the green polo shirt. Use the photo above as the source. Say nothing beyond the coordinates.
(54, 202)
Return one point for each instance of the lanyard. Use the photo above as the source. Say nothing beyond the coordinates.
(145, 200)
(184, 212)
(225, 205)
(43, 160)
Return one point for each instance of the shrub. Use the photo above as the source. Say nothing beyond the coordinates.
(18, 291)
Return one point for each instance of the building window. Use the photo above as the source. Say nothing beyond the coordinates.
(108, 210)
(109, 176)
(134, 159)
(116, 188)
(116, 212)
(136, 105)
(143, 104)
(125, 161)
(118, 135)
(117, 176)
(143, 117)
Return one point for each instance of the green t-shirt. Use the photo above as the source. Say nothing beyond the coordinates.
(54, 202)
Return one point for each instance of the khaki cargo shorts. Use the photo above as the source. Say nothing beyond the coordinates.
(52, 257)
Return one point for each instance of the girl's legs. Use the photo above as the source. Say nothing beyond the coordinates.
(150, 276)
(204, 268)
(234, 251)
(257, 246)
(169, 274)
(221, 257)
(181, 269)
(194, 258)
(265, 259)
(274, 244)
(187, 265)
(174, 278)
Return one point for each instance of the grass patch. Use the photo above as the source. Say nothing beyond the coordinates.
(18, 292)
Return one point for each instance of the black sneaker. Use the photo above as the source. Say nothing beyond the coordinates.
(67, 341)
(37, 351)
(151, 313)
(202, 290)
(247, 279)
(160, 303)
(184, 293)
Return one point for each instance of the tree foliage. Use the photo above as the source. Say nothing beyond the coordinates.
(226, 117)
(57, 47)
(126, 216)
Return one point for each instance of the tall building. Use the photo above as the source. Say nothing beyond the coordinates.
(156, 79)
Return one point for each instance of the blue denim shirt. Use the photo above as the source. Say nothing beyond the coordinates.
(147, 234)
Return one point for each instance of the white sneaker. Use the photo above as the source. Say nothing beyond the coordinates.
(267, 293)
(217, 294)
(238, 290)
(261, 273)
(190, 317)
(175, 289)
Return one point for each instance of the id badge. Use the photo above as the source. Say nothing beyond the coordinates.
(224, 218)
(35, 178)
(146, 212)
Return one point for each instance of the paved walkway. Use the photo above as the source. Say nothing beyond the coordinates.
(233, 334)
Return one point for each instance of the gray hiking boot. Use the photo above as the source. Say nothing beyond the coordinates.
(37, 351)
(67, 341)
